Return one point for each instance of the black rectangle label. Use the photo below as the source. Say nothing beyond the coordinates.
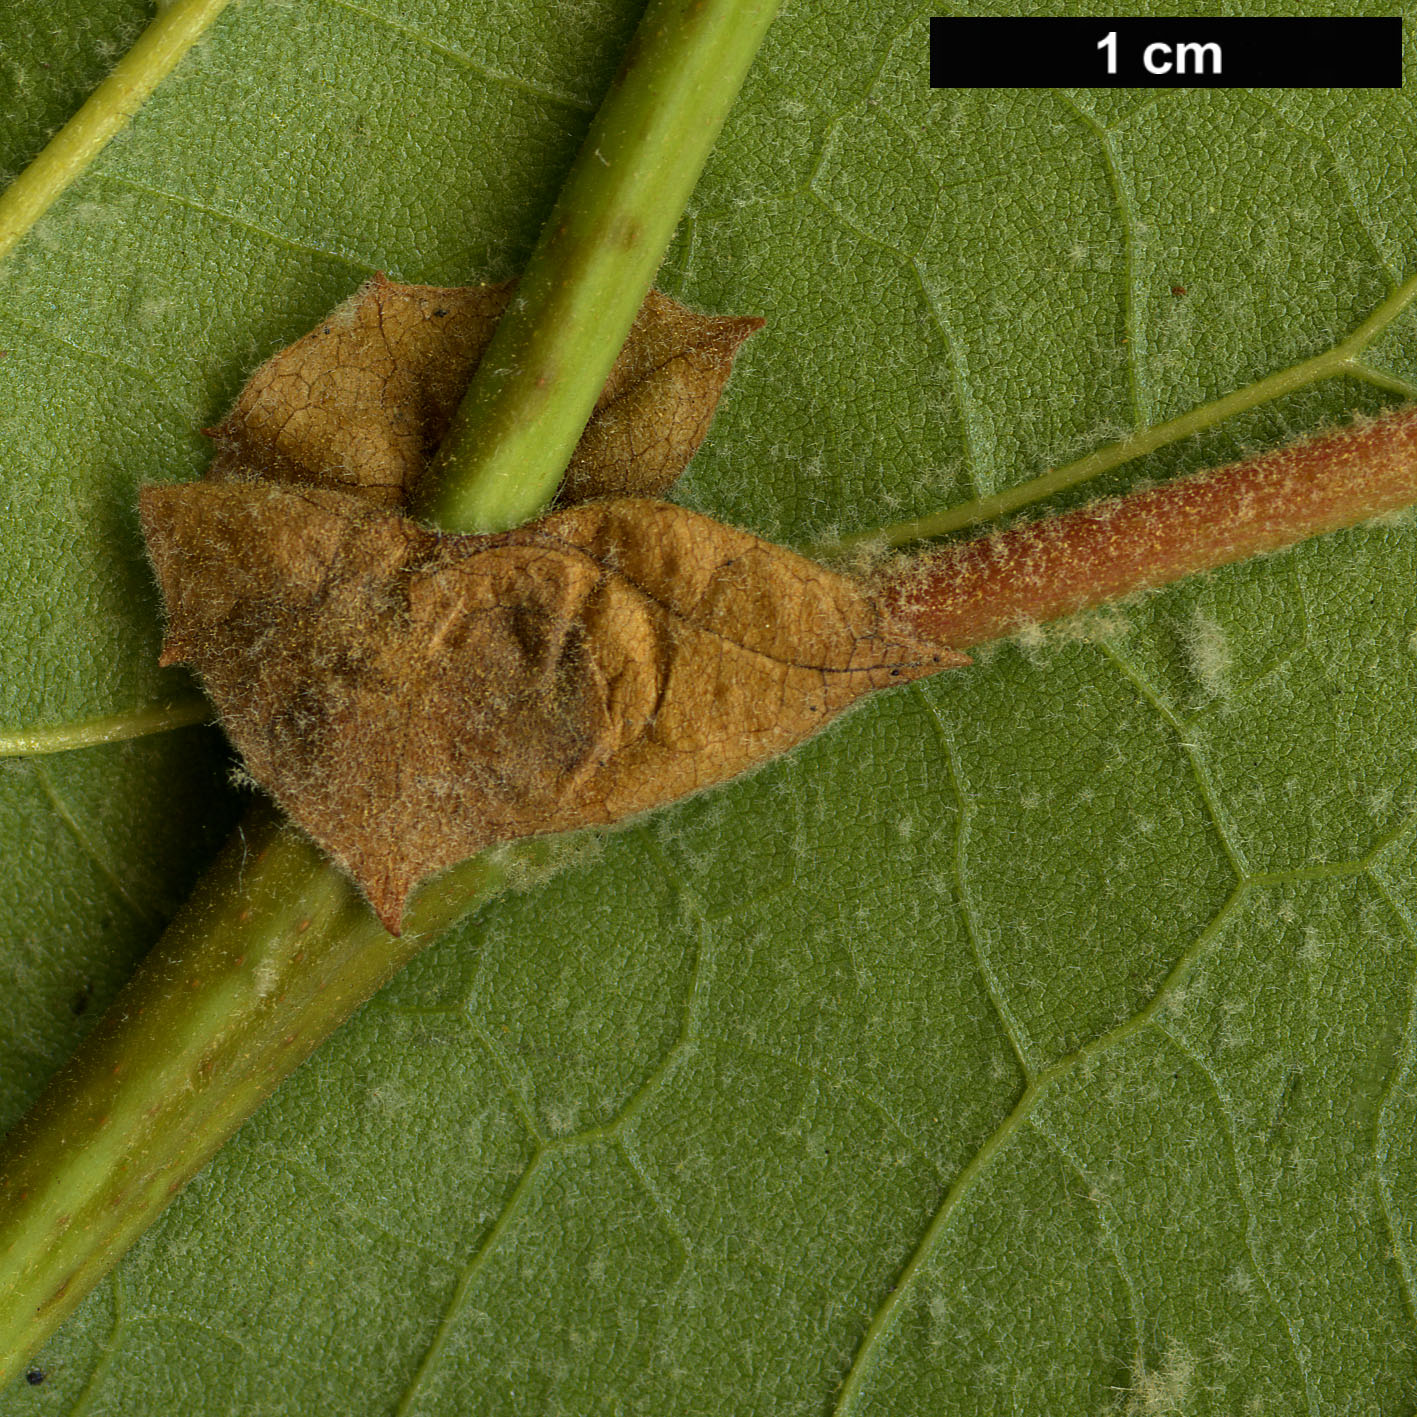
(1306, 52)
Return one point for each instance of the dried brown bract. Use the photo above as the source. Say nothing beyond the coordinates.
(409, 697)
(363, 400)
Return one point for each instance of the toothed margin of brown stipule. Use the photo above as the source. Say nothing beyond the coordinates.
(361, 402)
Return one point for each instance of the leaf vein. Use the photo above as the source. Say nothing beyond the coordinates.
(86, 845)
(1399, 1081)
(1195, 758)
(322, 1182)
(104, 1361)
(466, 61)
(677, 1229)
(1107, 1223)
(971, 426)
(100, 356)
(513, 1206)
(112, 728)
(1133, 298)
(105, 113)
(1014, 1030)
(503, 1065)
(1247, 1205)
(880, 1323)
(1336, 170)
(244, 223)
(832, 1083)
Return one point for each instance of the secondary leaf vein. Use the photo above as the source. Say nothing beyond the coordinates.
(466, 61)
(86, 845)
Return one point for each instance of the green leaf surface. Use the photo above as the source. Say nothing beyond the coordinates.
(54, 56)
(1039, 1039)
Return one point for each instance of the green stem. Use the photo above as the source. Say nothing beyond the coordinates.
(1341, 359)
(114, 728)
(276, 949)
(539, 379)
(107, 111)
(273, 952)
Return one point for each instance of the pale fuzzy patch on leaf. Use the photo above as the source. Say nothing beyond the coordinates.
(1208, 653)
(1167, 1390)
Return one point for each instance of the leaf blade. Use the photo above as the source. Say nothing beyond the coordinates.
(804, 1016)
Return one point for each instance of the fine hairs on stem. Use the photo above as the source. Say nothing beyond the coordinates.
(994, 585)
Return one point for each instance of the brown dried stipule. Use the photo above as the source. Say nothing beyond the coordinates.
(994, 586)
(410, 697)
